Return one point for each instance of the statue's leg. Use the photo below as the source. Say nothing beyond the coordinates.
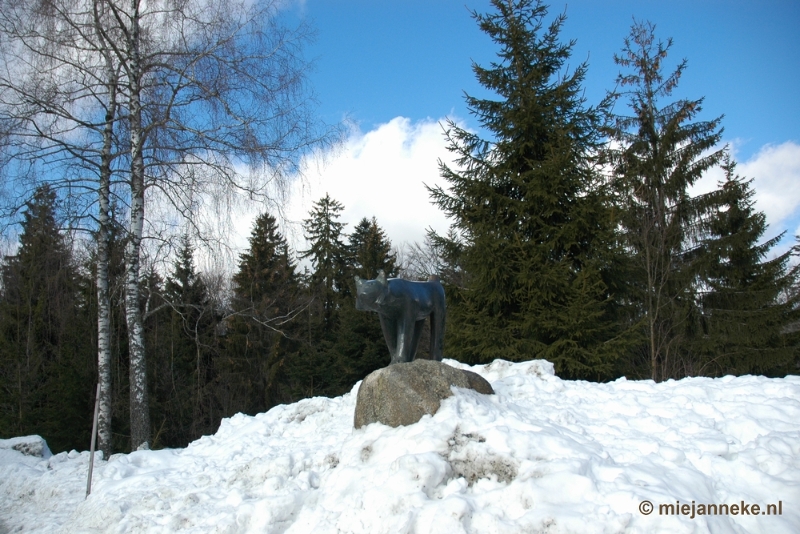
(437, 334)
(418, 326)
(405, 338)
(389, 329)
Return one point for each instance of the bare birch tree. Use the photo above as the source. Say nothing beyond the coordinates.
(211, 87)
(209, 100)
(59, 91)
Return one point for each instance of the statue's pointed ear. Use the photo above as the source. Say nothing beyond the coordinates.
(381, 277)
(358, 280)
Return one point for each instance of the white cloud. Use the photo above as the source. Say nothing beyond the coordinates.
(775, 170)
(708, 182)
(776, 173)
(380, 173)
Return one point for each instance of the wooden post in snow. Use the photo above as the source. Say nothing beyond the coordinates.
(94, 439)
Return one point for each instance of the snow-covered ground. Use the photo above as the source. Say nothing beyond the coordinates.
(541, 455)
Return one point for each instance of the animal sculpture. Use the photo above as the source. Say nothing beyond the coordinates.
(402, 307)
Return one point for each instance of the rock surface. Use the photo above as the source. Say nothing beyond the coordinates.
(402, 393)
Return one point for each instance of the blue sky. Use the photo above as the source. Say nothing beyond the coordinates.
(376, 60)
(397, 69)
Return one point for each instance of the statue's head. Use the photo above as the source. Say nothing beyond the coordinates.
(370, 293)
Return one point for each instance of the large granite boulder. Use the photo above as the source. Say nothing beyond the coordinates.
(402, 393)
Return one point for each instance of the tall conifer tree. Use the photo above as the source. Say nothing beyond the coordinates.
(535, 234)
(370, 250)
(747, 302)
(264, 304)
(660, 152)
(184, 361)
(46, 361)
(328, 255)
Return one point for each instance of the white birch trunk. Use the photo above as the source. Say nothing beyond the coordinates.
(103, 241)
(103, 322)
(139, 404)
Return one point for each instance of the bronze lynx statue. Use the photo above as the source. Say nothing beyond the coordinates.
(402, 308)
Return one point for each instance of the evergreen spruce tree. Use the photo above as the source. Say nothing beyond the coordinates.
(747, 302)
(327, 253)
(156, 337)
(46, 359)
(184, 361)
(266, 279)
(532, 228)
(264, 305)
(370, 251)
(660, 153)
(317, 370)
(360, 347)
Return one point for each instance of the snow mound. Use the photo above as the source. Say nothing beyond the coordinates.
(541, 455)
(28, 445)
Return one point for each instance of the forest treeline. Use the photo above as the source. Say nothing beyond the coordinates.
(279, 336)
(575, 239)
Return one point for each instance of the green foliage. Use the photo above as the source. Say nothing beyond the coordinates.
(660, 153)
(532, 229)
(343, 345)
(182, 403)
(747, 303)
(328, 255)
(359, 348)
(708, 301)
(259, 339)
(370, 251)
(46, 370)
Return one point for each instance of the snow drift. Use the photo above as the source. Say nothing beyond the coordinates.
(541, 455)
